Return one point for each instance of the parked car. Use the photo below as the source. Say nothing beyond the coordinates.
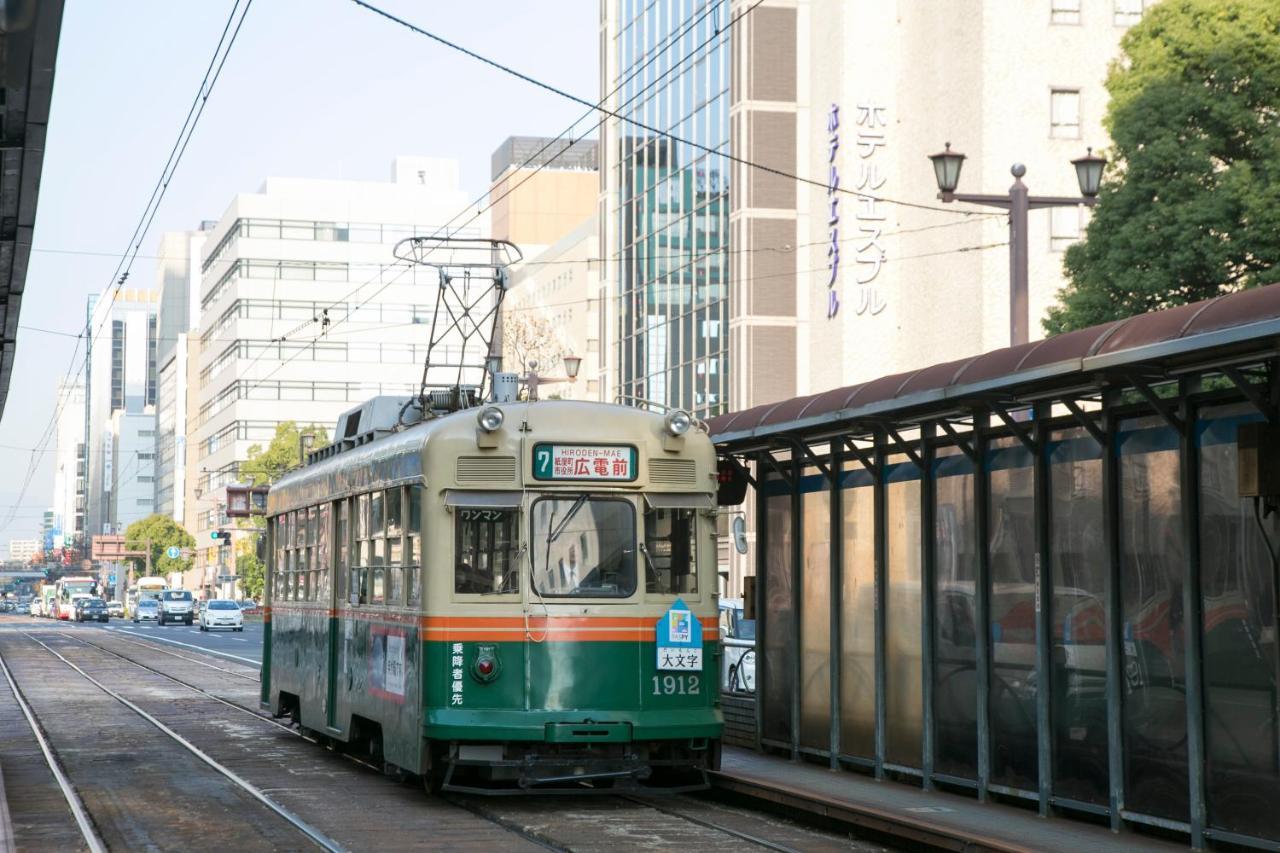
(250, 607)
(146, 610)
(115, 608)
(24, 608)
(92, 610)
(221, 613)
(7, 606)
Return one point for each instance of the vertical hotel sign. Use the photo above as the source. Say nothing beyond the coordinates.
(833, 203)
(870, 216)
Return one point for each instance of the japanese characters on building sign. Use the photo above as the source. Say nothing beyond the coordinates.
(868, 250)
(583, 462)
(679, 640)
(833, 219)
(455, 671)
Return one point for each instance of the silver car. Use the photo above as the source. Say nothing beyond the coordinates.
(146, 610)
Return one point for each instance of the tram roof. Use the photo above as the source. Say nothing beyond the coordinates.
(1227, 328)
(397, 459)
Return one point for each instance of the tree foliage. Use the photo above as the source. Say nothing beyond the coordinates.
(252, 574)
(266, 465)
(162, 532)
(527, 338)
(1190, 208)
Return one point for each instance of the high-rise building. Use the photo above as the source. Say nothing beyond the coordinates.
(859, 271)
(120, 382)
(797, 270)
(178, 270)
(665, 204)
(542, 189)
(22, 550)
(305, 312)
(68, 461)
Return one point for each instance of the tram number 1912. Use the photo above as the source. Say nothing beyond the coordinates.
(676, 685)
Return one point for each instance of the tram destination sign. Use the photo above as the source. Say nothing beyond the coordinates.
(600, 462)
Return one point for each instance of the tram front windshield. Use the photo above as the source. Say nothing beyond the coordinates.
(584, 546)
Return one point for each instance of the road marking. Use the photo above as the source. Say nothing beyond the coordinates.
(256, 663)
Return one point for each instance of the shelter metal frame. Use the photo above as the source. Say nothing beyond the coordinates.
(1173, 381)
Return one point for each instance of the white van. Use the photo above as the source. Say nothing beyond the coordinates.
(177, 605)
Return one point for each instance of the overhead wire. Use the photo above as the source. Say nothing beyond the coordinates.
(592, 109)
(121, 274)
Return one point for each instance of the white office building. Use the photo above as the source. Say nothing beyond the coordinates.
(68, 461)
(22, 550)
(305, 312)
(121, 388)
(178, 271)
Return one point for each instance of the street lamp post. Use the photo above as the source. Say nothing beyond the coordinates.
(946, 167)
(572, 364)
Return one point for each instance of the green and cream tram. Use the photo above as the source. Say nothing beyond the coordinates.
(512, 596)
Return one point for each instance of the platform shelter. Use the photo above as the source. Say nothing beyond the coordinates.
(1040, 573)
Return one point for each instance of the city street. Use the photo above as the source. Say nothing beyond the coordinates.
(244, 646)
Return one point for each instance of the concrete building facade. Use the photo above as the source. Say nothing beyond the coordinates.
(120, 382)
(68, 462)
(542, 189)
(22, 550)
(304, 312)
(178, 271)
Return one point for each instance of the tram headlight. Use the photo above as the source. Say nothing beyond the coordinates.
(490, 418)
(678, 421)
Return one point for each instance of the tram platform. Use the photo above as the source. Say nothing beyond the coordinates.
(935, 818)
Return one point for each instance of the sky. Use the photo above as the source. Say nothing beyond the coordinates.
(313, 88)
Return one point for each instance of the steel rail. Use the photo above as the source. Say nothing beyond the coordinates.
(320, 839)
(508, 826)
(78, 810)
(743, 836)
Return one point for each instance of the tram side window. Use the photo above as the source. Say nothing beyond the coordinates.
(377, 548)
(395, 546)
(670, 548)
(413, 554)
(359, 571)
(279, 530)
(485, 550)
(321, 587)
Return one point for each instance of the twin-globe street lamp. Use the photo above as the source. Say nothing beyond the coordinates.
(946, 167)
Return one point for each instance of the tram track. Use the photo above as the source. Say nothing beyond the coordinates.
(595, 822)
(317, 837)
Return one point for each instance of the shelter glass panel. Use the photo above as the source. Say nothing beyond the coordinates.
(858, 620)
(779, 674)
(1079, 562)
(815, 621)
(1153, 570)
(1242, 731)
(955, 683)
(1012, 532)
(904, 719)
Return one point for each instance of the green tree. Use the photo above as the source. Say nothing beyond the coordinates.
(1191, 205)
(162, 532)
(264, 466)
(252, 574)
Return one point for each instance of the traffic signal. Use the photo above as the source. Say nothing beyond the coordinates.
(731, 482)
(220, 536)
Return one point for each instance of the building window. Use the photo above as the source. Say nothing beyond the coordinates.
(1064, 11)
(1064, 113)
(1064, 227)
(153, 345)
(1129, 12)
(117, 364)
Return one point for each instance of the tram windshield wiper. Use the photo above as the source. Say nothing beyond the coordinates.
(554, 534)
